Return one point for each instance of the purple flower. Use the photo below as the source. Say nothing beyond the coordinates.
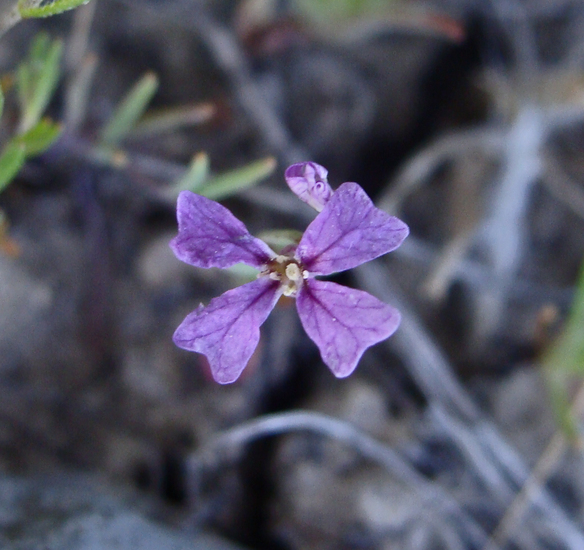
(343, 322)
(308, 182)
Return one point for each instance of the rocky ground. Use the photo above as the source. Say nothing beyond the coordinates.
(463, 118)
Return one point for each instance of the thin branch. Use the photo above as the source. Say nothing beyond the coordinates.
(434, 375)
(517, 21)
(533, 487)
(77, 93)
(562, 187)
(9, 20)
(503, 230)
(231, 59)
(79, 39)
(426, 362)
(485, 468)
(226, 446)
(504, 226)
(478, 276)
(444, 272)
(421, 166)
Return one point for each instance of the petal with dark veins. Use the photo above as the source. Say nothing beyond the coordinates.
(343, 322)
(227, 331)
(209, 235)
(348, 232)
(308, 181)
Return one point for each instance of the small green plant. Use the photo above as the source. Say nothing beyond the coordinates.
(129, 119)
(36, 81)
(30, 9)
(129, 111)
(198, 178)
(44, 8)
(564, 365)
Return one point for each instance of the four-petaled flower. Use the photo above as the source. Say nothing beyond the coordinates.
(343, 322)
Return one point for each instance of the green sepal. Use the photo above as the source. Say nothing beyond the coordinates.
(45, 8)
(129, 111)
(11, 161)
(278, 239)
(242, 273)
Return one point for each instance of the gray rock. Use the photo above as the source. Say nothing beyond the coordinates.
(82, 512)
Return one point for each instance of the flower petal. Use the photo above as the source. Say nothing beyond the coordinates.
(227, 331)
(348, 232)
(308, 182)
(343, 322)
(209, 235)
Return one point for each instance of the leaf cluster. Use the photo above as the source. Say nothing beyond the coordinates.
(36, 80)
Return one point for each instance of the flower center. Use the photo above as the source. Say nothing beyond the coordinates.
(288, 271)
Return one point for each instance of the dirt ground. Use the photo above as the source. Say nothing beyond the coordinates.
(463, 118)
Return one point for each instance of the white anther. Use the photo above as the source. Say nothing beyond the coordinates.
(289, 290)
(293, 272)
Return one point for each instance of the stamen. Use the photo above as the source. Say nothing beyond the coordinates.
(289, 290)
(293, 272)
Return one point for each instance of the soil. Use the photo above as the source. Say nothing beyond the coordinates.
(466, 121)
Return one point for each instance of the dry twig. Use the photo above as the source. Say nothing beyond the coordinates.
(227, 446)
(506, 470)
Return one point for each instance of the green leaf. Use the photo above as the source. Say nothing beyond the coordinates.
(564, 361)
(23, 84)
(196, 174)
(130, 110)
(237, 180)
(1, 101)
(557, 384)
(40, 137)
(37, 79)
(567, 353)
(39, 47)
(170, 119)
(45, 8)
(11, 161)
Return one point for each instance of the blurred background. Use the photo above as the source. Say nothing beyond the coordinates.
(465, 118)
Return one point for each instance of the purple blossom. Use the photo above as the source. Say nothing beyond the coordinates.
(308, 181)
(343, 322)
